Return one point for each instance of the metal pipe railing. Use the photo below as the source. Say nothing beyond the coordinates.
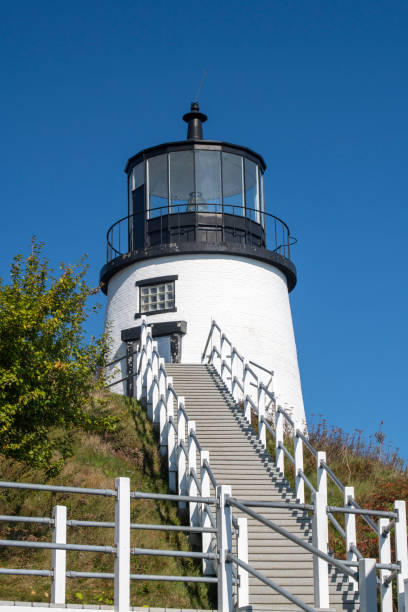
(169, 497)
(307, 481)
(287, 453)
(286, 415)
(57, 488)
(333, 476)
(292, 537)
(306, 442)
(55, 546)
(269, 428)
(154, 552)
(347, 510)
(251, 570)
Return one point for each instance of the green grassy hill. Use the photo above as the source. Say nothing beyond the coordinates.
(376, 471)
(132, 451)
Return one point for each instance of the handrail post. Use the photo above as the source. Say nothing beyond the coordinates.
(143, 331)
(166, 400)
(122, 544)
(149, 389)
(205, 519)
(367, 585)
(247, 392)
(320, 535)
(350, 528)
(140, 377)
(224, 546)
(155, 360)
(280, 457)
(171, 439)
(242, 554)
(261, 416)
(401, 551)
(299, 482)
(181, 457)
(192, 486)
(147, 355)
(137, 387)
(321, 474)
(225, 375)
(155, 414)
(162, 380)
(234, 368)
(59, 536)
(384, 554)
(223, 348)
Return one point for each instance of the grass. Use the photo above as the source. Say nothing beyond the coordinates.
(376, 471)
(132, 451)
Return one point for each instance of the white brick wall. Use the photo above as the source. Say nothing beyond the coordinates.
(247, 298)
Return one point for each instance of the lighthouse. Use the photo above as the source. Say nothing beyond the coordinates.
(199, 243)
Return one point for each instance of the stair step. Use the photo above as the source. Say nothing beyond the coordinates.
(238, 459)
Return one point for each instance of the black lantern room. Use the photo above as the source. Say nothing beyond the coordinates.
(197, 196)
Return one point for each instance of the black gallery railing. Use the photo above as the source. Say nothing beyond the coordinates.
(208, 223)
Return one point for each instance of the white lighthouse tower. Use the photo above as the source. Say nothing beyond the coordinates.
(198, 244)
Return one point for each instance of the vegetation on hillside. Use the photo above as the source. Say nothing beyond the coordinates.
(131, 450)
(47, 367)
(376, 471)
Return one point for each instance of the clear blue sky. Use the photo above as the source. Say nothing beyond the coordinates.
(318, 88)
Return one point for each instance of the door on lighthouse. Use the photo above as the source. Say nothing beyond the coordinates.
(163, 346)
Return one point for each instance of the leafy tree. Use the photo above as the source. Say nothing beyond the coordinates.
(48, 370)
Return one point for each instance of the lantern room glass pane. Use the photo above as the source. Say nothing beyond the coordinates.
(138, 176)
(232, 184)
(261, 197)
(251, 190)
(158, 186)
(182, 192)
(208, 181)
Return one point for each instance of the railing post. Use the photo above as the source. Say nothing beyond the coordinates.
(143, 331)
(384, 555)
(320, 536)
(154, 416)
(299, 482)
(162, 378)
(350, 528)
(181, 457)
(224, 348)
(162, 382)
(280, 457)
(225, 375)
(401, 552)
(59, 536)
(162, 426)
(140, 377)
(261, 416)
(192, 486)
(122, 544)
(367, 585)
(247, 392)
(155, 359)
(171, 438)
(242, 554)
(234, 365)
(224, 546)
(208, 567)
(321, 474)
(149, 389)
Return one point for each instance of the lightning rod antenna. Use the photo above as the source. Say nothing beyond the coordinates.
(201, 84)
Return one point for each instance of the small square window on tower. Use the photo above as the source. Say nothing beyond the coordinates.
(157, 295)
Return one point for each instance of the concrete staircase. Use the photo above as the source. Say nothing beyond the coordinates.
(238, 459)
